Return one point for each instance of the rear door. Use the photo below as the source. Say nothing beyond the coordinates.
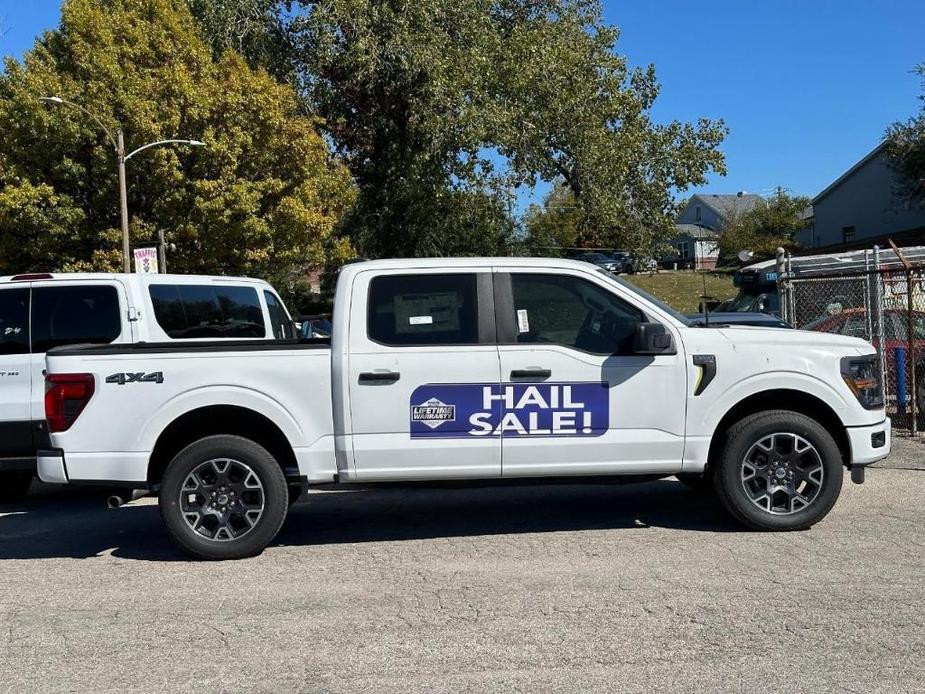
(15, 382)
(71, 312)
(423, 375)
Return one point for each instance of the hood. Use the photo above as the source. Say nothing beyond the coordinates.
(750, 334)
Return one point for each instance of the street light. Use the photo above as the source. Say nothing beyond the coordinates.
(118, 143)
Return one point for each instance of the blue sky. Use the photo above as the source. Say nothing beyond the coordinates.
(807, 87)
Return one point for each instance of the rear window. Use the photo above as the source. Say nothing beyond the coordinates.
(70, 315)
(205, 311)
(14, 321)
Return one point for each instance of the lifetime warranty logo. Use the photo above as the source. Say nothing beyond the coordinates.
(433, 413)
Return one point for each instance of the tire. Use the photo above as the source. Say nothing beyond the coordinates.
(702, 483)
(14, 485)
(797, 454)
(223, 497)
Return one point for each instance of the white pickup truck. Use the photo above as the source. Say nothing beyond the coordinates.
(468, 369)
(41, 311)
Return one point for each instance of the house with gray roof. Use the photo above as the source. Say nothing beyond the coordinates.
(860, 208)
(700, 224)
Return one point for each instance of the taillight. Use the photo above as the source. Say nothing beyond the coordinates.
(66, 396)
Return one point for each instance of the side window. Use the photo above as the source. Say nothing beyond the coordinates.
(572, 312)
(280, 323)
(14, 321)
(73, 315)
(206, 311)
(410, 310)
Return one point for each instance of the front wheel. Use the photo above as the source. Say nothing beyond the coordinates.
(780, 470)
(14, 485)
(223, 497)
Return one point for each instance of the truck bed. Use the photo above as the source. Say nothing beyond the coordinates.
(140, 389)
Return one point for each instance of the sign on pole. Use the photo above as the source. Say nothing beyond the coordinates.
(146, 260)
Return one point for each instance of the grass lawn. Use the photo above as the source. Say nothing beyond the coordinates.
(682, 290)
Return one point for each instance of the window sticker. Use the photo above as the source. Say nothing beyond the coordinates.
(490, 410)
(421, 320)
(442, 308)
(523, 321)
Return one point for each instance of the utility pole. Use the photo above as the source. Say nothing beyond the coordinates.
(161, 251)
(123, 202)
(118, 144)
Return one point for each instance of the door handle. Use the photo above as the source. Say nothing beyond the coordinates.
(379, 376)
(531, 373)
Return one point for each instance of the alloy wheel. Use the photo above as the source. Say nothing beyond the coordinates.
(222, 499)
(782, 473)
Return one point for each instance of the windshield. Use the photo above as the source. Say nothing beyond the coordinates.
(680, 317)
(749, 302)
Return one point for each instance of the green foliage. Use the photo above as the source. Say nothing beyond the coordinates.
(425, 97)
(764, 228)
(252, 28)
(263, 197)
(552, 228)
(906, 150)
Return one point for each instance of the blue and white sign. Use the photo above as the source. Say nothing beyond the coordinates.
(463, 410)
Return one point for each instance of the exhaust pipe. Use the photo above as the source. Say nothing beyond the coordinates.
(125, 496)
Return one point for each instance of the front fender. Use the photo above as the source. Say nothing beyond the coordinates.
(848, 411)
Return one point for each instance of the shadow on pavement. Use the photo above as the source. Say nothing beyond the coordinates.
(74, 523)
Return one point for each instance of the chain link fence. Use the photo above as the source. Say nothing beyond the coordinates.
(886, 307)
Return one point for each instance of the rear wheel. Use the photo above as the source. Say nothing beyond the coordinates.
(780, 470)
(14, 485)
(223, 497)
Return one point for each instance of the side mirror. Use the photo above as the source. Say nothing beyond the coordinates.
(653, 338)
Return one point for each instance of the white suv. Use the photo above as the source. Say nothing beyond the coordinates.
(41, 311)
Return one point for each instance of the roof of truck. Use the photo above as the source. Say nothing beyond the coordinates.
(847, 261)
(395, 263)
(96, 276)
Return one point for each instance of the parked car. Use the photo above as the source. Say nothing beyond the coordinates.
(602, 260)
(632, 264)
(468, 369)
(39, 312)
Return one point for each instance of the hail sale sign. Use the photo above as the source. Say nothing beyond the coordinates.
(461, 410)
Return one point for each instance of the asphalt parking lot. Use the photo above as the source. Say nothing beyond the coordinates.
(644, 587)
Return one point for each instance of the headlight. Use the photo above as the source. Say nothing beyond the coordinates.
(862, 374)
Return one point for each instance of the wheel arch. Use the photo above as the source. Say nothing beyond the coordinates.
(781, 399)
(212, 420)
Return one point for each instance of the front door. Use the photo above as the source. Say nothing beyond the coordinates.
(576, 398)
(15, 378)
(422, 364)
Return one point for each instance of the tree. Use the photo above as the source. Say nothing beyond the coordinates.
(906, 151)
(765, 227)
(426, 97)
(264, 197)
(252, 28)
(553, 227)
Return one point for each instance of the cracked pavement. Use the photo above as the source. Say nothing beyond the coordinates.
(633, 588)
